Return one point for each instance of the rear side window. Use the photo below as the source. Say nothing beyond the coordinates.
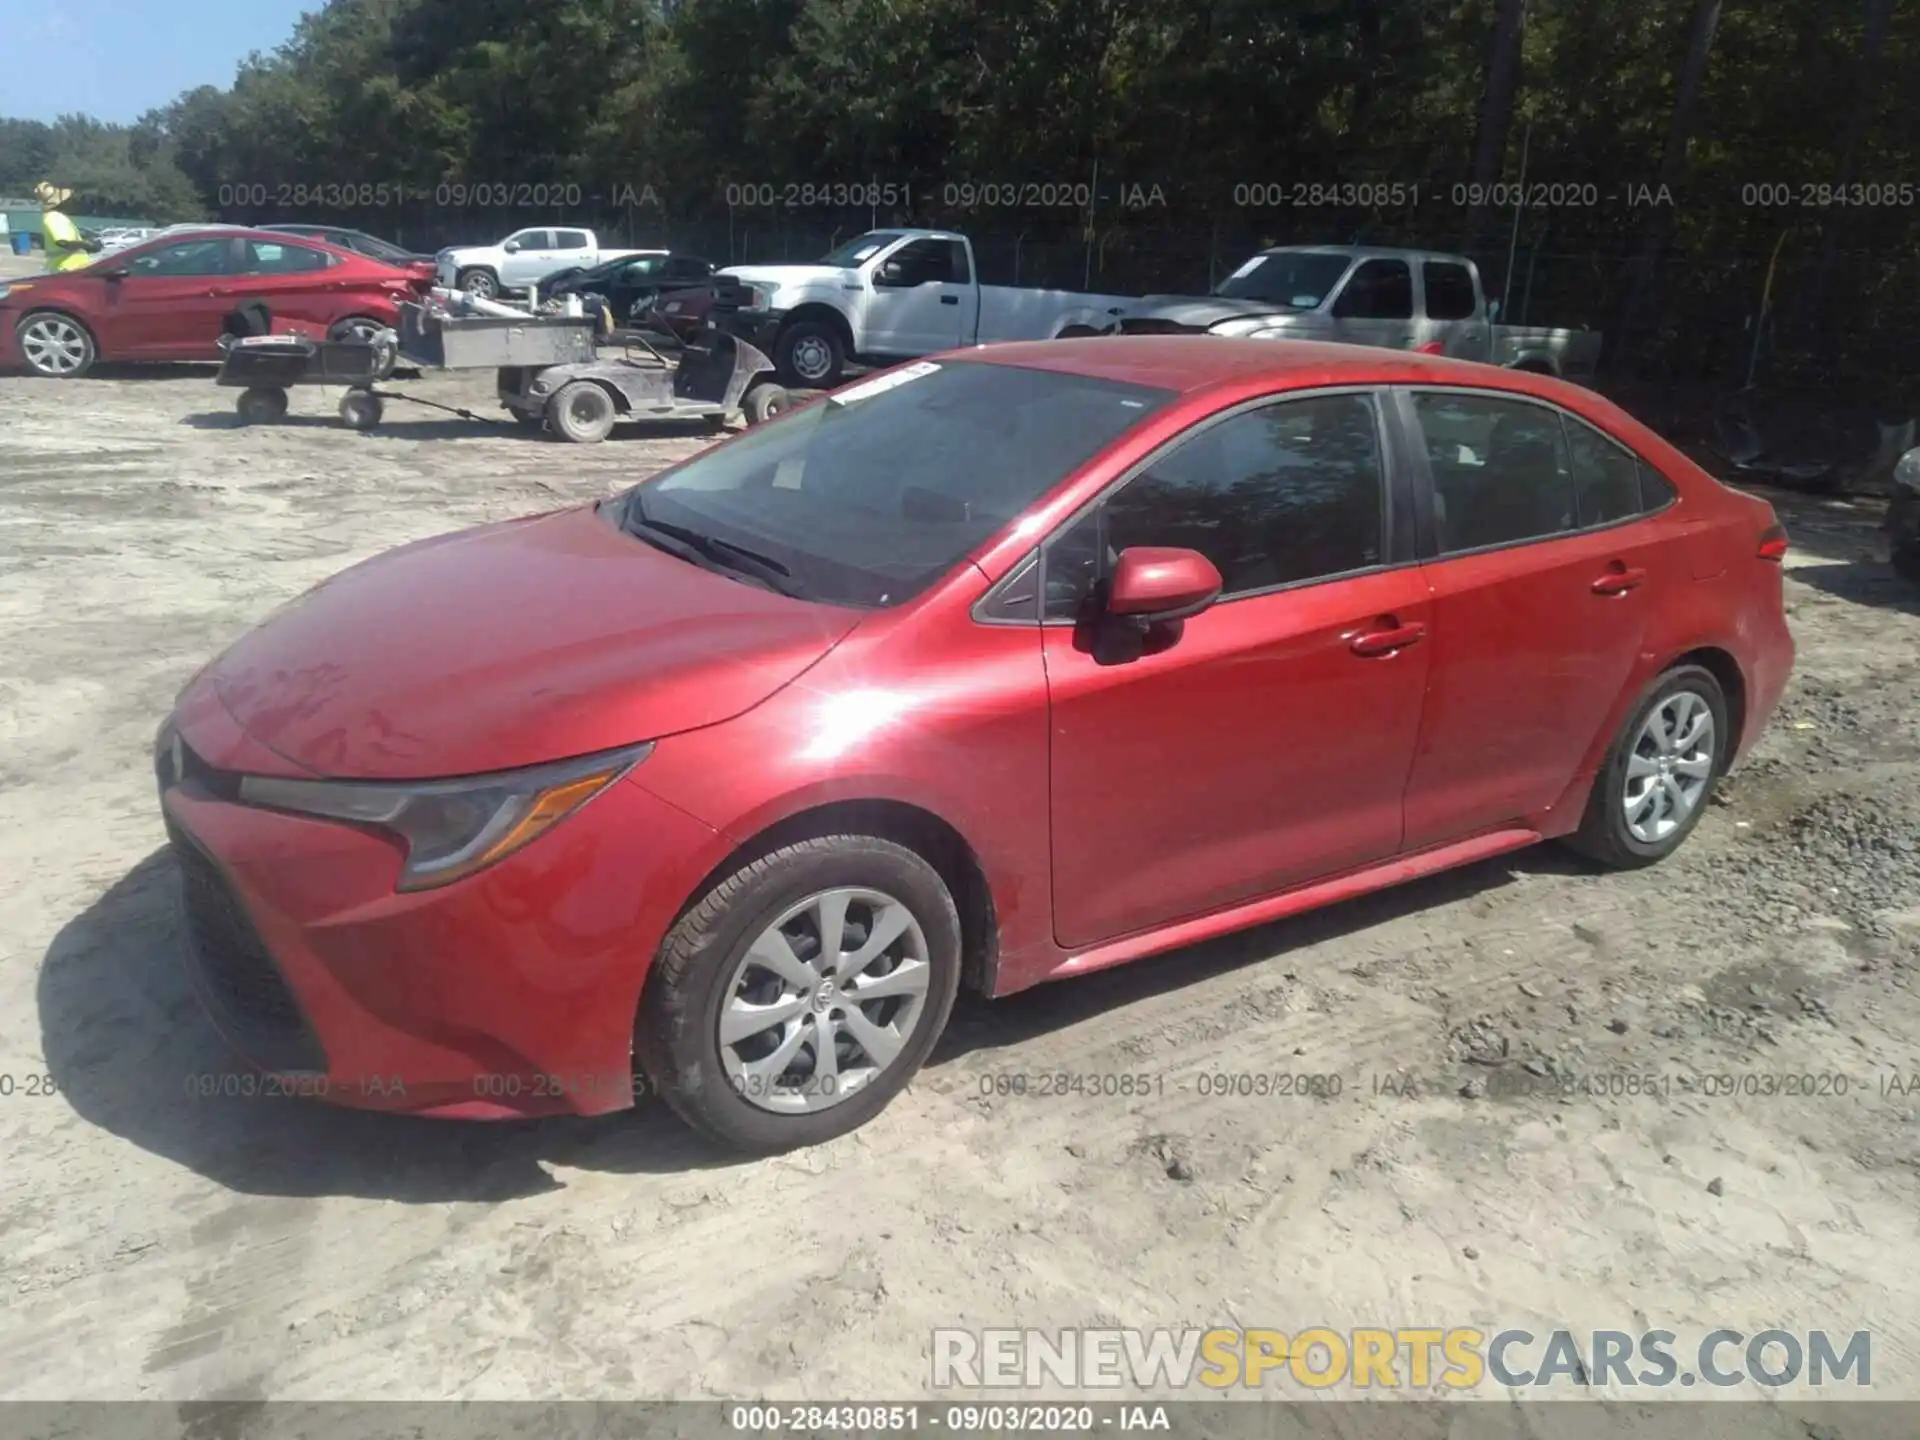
(1606, 478)
(1449, 290)
(265, 258)
(1287, 493)
(1379, 290)
(570, 240)
(1501, 472)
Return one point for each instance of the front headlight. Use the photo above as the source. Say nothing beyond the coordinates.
(453, 827)
(1240, 326)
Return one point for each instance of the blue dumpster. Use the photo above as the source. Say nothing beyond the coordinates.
(22, 243)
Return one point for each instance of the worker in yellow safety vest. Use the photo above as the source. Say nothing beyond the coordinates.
(67, 248)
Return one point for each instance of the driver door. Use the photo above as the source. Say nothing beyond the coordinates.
(917, 302)
(171, 302)
(1254, 748)
(534, 258)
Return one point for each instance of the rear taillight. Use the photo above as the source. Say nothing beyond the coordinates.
(1773, 543)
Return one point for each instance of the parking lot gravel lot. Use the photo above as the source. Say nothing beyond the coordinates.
(1560, 1096)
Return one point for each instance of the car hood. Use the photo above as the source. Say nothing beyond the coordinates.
(509, 645)
(1199, 311)
(779, 275)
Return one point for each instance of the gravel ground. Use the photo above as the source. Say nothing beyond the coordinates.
(175, 1247)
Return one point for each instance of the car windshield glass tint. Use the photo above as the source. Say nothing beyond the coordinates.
(859, 249)
(1296, 279)
(868, 497)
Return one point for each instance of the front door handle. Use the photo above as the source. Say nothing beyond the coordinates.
(1385, 642)
(949, 299)
(1619, 579)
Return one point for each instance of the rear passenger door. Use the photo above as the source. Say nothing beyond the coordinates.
(1375, 306)
(1452, 316)
(1546, 561)
(295, 281)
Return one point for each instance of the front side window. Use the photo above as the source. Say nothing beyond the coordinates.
(1501, 472)
(1283, 494)
(530, 240)
(1379, 290)
(188, 257)
(924, 262)
(869, 496)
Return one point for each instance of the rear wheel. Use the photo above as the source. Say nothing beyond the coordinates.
(582, 412)
(802, 992)
(56, 346)
(368, 331)
(1660, 772)
(262, 405)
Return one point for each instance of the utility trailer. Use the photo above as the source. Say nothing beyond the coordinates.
(549, 373)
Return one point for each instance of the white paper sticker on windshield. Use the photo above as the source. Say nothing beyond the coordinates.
(1248, 268)
(880, 384)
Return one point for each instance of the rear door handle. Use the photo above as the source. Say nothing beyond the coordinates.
(1385, 642)
(1619, 580)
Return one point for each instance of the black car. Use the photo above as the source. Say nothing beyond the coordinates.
(358, 241)
(631, 281)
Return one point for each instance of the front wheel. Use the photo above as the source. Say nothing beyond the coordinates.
(810, 354)
(56, 346)
(261, 405)
(361, 409)
(582, 412)
(763, 402)
(1659, 773)
(802, 992)
(481, 284)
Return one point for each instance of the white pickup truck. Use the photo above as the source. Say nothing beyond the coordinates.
(895, 294)
(1423, 300)
(523, 260)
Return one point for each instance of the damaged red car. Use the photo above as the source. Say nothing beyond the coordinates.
(994, 669)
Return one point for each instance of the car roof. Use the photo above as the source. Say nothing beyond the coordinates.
(1186, 363)
(1365, 252)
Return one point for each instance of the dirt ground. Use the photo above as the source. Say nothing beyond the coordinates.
(164, 1246)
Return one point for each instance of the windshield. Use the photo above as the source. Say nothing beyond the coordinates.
(868, 497)
(860, 249)
(1298, 279)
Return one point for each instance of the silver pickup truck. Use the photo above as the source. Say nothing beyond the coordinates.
(1423, 300)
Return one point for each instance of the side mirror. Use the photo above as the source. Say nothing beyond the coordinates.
(891, 272)
(512, 247)
(115, 272)
(1158, 584)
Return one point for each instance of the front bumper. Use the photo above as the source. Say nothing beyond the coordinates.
(509, 994)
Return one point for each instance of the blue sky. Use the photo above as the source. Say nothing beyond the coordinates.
(115, 59)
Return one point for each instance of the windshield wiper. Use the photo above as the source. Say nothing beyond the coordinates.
(766, 569)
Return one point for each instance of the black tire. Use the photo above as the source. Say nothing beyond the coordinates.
(479, 282)
(1903, 525)
(261, 405)
(582, 412)
(677, 1037)
(361, 410)
(1603, 834)
(763, 402)
(810, 354)
(372, 331)
(55, 346)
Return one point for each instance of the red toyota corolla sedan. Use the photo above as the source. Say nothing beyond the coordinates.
(992, 669)
(168, 299)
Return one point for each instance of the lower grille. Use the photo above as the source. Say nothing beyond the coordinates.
(235, 973)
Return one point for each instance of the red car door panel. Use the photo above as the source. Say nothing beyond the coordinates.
(1535, 642)
(1269, 743)
(1260, 751)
